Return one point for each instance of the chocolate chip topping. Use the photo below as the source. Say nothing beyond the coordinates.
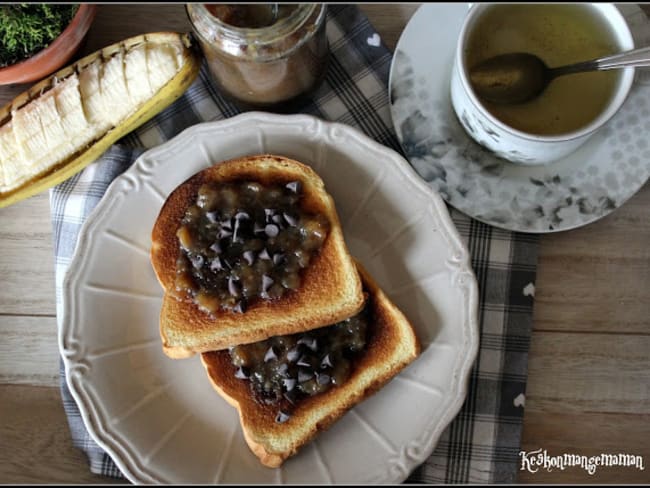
(289, 383)
(293, 355)
(246, 241)
(242, 373)
(249, 257)
(240, 307)
(197, 261)
(284, 369)
(216, 264)
(270, 355)
(303, 362)
(323, 379)
(326, 362)
(223, 233)
(308, 341)
(271, 230)
(233, 287)
(265, 255)
(216, 247)
(267, 281)
(212, 217)
(293, 186)
(282, 417)
(291, 220)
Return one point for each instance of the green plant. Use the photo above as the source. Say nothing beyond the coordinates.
(25, 28)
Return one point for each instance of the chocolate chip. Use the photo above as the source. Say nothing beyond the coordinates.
(233, 288)
(283, 369)
(264, 254)
(267, 281)
(269, 212)
(240, 307)
(242, 216)
(293, 186)
(278, 258)
(223, 233)
(216, 264)
(249, 257)
(216, 247)
(323, 379)
(270, 355)
(282, 417)
(226, 224)
(242, 373)
(310, 342)
(304, 375)
(303, 362)
(326, 362)
(212, 216)
(197, 261)
(271, 230)
(258, 228)
(291, 220)
(277, 219)
(293, 355)
(289, 383)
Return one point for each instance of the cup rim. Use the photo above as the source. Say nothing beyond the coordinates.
(625, 39)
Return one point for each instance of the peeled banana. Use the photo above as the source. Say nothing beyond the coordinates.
(68, 120)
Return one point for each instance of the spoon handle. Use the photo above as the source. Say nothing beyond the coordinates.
(634, 58)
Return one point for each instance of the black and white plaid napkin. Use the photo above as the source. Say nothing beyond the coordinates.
(481, 445)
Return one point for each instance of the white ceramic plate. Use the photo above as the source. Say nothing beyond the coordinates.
(581, 188)
(160, 419)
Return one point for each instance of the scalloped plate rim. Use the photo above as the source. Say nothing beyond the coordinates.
(130, 468)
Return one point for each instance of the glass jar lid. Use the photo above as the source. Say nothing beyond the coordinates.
(295, 23)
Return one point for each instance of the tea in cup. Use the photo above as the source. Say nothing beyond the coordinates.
(572, 107)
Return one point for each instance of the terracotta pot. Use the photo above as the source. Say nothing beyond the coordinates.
(54, 56)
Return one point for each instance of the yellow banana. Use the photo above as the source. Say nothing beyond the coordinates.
(65, 122)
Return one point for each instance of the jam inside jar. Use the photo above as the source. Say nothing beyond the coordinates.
(263, 59)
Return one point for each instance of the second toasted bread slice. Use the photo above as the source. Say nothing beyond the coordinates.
(272, 435)
(330, 288)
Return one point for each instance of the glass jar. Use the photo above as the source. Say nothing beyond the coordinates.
(260, 61)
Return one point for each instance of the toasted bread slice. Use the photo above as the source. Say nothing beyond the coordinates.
(391, 346)
(330, 288)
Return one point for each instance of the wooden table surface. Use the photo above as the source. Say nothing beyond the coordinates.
(589, 364)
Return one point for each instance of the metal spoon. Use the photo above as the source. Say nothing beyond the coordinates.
(520, 77)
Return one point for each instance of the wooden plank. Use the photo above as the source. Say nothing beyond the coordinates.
(595, 278)
(574, 372)
(27, 258)
(29, 353)
(389, 19)
(599, 434)
(35, 440)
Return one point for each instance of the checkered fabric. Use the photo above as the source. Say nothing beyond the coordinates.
(481, 445)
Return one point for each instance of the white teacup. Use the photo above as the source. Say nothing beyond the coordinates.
(519, 146)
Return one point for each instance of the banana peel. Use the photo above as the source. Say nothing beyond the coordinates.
(188, 58)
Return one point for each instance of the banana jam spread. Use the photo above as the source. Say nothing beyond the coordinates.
(243, 241)
(283, 369)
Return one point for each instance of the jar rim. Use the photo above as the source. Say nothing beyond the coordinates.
(259, 35)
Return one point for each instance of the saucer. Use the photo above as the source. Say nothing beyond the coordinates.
(574, 191)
